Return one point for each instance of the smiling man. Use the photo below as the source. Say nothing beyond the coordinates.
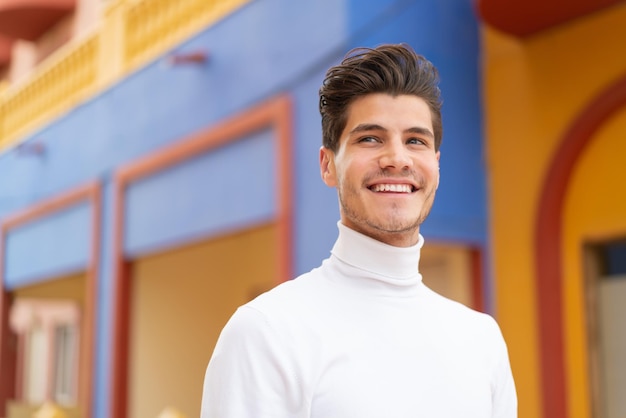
(361, 335)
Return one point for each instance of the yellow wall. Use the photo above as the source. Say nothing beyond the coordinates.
(180, 302)
(534, 88)
(66, 287)
(594, 210)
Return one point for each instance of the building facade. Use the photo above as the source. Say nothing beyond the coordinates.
(554, 130)
(159, 167)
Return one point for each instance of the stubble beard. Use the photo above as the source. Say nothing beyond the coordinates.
(394, 225)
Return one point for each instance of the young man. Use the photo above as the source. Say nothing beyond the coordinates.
(361, 335)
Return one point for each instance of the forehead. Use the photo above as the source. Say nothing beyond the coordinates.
(401, 112)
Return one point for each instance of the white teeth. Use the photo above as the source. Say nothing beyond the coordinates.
(396, 188)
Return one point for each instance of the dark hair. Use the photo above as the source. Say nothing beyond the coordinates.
(392, 69)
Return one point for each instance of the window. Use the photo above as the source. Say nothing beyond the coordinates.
(48, 335)
(605, 293)
(65, 355)
(452, 271)
(34, 382)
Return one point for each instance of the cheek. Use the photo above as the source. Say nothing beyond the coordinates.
(349, 175)
(353, 170)
(432, 172)
(340, 178)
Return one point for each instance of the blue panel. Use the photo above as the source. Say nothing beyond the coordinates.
(446, 32)
(220, 190)
(54, 245)
(315, 206)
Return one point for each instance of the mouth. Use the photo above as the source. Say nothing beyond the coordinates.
(393, 188)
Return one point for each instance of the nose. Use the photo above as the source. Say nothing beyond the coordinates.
(395, 156)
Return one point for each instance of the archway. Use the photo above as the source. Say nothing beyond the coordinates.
(548, 252)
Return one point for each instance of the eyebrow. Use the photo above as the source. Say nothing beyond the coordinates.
(366, 127)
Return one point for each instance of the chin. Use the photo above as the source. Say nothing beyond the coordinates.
(397, 226)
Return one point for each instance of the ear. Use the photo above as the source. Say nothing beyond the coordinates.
(327, 167)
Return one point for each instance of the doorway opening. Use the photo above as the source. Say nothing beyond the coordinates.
(605, 265)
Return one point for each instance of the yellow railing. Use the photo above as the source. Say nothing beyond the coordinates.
(132, 32)
(56, 84)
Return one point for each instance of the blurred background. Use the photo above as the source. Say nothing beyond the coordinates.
(159, 168)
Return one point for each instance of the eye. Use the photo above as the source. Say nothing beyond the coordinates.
(416, 141)
(368, 139)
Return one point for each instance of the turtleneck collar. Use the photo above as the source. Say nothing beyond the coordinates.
(386, 262)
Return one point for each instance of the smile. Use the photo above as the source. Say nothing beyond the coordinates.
(393, 188)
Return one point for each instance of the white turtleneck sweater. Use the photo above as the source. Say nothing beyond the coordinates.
(361, 336)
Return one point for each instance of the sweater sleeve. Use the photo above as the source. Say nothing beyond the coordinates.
(504, 395)
(249, 374)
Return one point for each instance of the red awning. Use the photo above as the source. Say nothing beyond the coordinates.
(29, 19)
(526, 17)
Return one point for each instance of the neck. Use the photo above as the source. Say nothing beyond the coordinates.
(374, 256)
(406, 238)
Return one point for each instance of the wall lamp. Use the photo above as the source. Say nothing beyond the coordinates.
(36, 149)
(185, 58)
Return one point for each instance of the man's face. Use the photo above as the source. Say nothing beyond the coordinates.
(386, 169)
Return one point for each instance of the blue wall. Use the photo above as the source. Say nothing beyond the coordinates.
(217, 191)
(63, 245)
(266, 48)
(447, 34)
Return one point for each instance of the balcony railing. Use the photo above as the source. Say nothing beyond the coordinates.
(131, 33)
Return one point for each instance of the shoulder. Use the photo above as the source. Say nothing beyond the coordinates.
(278, 307)
(290, 295)
(271, 326)
(463, 318)
(477, 334)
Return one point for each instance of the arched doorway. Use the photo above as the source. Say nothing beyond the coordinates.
(548, 245)
(594, 272)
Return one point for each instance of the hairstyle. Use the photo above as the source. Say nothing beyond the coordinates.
(391, 69)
